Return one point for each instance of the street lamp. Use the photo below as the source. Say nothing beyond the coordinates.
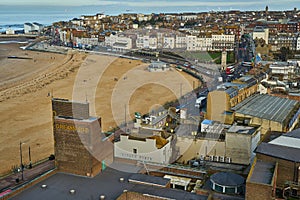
(194, 133)
(21, 160)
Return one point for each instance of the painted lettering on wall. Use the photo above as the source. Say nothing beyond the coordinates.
(77, 128)
(136, 157)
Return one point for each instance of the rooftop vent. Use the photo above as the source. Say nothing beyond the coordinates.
(102, 197)
(121, 179)
(44, 186)
(72, 191)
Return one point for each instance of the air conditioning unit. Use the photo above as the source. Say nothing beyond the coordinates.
(211, 158)
(216, 158)
(228, 159)
(222, 159)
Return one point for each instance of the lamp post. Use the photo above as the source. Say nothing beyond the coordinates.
(194, 133)
(21, 160)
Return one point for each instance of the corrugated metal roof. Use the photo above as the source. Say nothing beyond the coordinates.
(267, 107)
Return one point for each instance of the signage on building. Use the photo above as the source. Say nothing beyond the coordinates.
(67, 127)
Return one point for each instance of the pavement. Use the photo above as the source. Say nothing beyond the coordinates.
(10, 182)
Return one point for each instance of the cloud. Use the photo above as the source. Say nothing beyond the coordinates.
(156, 3)
(219, 3)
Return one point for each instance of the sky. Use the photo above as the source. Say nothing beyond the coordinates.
(276, 4)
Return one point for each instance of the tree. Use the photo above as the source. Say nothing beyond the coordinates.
(285, 53)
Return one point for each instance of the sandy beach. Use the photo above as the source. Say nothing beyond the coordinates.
(25, 86)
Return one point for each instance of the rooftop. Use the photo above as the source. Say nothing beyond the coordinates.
(278, 151)
(287, 141)
(258, 29)
(106, 183)
(294, 134)
(148, 180)
(207, 121)
(242, 129)
(267, 107)
(90, 119)
(227, 179)
(262, 172)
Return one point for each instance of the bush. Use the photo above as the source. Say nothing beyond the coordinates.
(51, 157)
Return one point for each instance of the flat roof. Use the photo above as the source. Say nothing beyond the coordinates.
(148, 180)
(267, 107)
(227, 179)
(262, 172)
(106, 183)
(278, 151)
(242, 129)
(207, 121)
(90, 119)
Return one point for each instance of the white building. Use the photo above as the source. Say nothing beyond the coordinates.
(191, 41)
(180, 42)
(153, 149)
(187, 17)
(195, 43)
(9, 31)
(298, 43)
(63, 36)
(158, 66)
(86, 41)
(221, 42)
(118, 42)
(37, 27)
(169, 42)
(30, 28)
(260, 32)
(152, 42)
(143, 41)
(283, 68)
(77, 22)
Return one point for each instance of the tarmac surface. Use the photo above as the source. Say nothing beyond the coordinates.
(106, 183)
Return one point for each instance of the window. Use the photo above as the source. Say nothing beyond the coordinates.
(135, 151)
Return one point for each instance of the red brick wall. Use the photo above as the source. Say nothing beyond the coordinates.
(70, 144)
(256, 191)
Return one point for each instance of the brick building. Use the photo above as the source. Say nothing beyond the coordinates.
(285, 152)
(261, 181)
(77, 138)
